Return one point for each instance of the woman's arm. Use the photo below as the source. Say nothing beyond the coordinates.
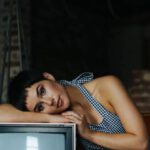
(135, 138)
(8, 113)
(136, 134)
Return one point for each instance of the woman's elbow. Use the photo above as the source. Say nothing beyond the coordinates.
(146, 145)
(143, 144)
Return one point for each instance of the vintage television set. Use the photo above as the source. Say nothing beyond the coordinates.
(37, 136)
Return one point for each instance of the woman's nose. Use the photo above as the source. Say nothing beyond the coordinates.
(48, 101)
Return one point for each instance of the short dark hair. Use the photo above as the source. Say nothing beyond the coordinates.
(17, 87)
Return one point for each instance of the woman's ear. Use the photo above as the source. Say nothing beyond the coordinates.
(48, 76)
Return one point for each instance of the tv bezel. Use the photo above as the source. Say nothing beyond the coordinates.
(68, 129)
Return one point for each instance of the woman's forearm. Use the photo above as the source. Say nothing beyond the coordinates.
(125, 141)
(8, 113)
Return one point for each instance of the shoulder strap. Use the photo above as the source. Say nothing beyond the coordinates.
(96, 105)
(82, 78)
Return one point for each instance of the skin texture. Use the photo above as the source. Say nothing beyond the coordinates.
(66, 105)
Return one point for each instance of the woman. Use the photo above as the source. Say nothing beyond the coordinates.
(104, 113)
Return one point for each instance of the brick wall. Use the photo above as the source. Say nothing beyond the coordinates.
(14, 35)
(140, 90)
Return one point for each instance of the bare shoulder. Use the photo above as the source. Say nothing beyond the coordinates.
(105, 85)
(112, 85)
(105, 81)
(108, 79)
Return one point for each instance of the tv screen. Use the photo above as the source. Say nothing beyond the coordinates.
(45, 136)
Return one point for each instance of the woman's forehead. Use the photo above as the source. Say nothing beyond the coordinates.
(32, 90)
(29, 92)
(31, 97)
(34, 85)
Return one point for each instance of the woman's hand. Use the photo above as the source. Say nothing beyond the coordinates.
(80, 120)
(58, 118)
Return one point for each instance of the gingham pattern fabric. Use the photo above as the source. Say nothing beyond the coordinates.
(110, 123)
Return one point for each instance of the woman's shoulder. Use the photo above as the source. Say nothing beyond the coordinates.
(105, 80)
(102, 82)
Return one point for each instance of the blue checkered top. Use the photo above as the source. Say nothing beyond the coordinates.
(110, 124)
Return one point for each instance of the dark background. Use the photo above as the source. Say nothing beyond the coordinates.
(105, 37)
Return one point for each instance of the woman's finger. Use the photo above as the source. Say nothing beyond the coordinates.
(73, 119)
(71, 113)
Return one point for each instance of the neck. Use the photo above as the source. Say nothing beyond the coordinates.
(75, 97)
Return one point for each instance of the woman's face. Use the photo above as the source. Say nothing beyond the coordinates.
(47, 96)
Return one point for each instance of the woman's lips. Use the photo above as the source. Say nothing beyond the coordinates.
(59, 103)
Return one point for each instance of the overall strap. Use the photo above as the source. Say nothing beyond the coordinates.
(77, 82)
(82, 78)
(96, 105)
(108, 116)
